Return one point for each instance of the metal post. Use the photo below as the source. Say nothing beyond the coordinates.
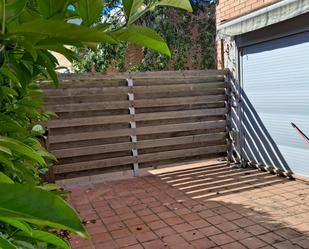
(133, 126)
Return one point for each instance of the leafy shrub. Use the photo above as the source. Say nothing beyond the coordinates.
(31, 210)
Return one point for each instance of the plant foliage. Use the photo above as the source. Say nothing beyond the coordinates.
(31, 211)
(190, 37)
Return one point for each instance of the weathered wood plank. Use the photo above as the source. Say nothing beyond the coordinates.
(111, 105)
(181, 153)
(100, 149)
(62, 123)
(96, 164)
(139, 131)
(137, 89)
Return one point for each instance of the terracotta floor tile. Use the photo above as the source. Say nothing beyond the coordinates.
(146, 236)
(203, 243)
(126, 241)
(210, 230)
(165, 231)
(192, 235)
(155, 244)
(253, 243)
(156, 212)
(221, 239)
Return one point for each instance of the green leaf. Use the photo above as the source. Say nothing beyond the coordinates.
(132, 7)
(46, 237)
(5, 150)
(45, 60)
(50, 8)
(5, 244)
(5, 161)
(143, 36)
(181, 4)
(21, 148)
(60, 29)
(12, 9)
(34, 205)
(18, 224)
(8, 91)
(5, 179)
(89, 11)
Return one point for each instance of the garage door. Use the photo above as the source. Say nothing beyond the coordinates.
(275, 83)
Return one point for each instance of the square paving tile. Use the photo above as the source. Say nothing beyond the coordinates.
(200, 206)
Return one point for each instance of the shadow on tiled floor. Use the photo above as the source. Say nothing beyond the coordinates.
(202, 205)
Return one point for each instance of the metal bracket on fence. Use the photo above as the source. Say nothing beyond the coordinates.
(132, 125)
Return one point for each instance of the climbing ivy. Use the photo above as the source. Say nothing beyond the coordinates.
(190, 37)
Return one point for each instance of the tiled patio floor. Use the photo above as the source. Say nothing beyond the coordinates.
(203, 205)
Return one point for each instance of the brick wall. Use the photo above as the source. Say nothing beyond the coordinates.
(229, 9)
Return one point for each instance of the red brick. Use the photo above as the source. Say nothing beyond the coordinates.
(256, 229)
(120, 233)
(253, 243)
(115, 226)
(239, 234)
(199, 223)
(203, 243)
(174, 221)
(271, 238)
(126, 241)
(166, 231)
(243, 222)
(156, 224)
(155, 244)
(167, 214)
(106, 245)
(211, 230)
(234, 245)
(192, 235)
(221, 239)
(175, 240)
(101, 237)
(288, 233)
(227, 226)
(184, 227)
(147, 236)
(150, 218)
(137, 246)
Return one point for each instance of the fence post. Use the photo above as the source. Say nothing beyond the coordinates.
(133, 126)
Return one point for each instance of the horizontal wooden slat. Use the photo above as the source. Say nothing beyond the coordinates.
(90, 150)
(96, 164)
(101, 120)
(138, 131)
(137, 89)
(110, 105)
(152, 157)
(180, 114)
(138, 117)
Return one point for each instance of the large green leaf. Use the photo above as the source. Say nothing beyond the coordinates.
(46, 237)
(23, 226)
(143, 36)
(89, 11)
(50, 8)
(34, 205)
(12, 9)
(21, 148)
(5, 179)
(60, 29)
(182, 4)
(5, 244)
(132, 7)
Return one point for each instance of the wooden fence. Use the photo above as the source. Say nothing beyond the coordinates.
(128, 121)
